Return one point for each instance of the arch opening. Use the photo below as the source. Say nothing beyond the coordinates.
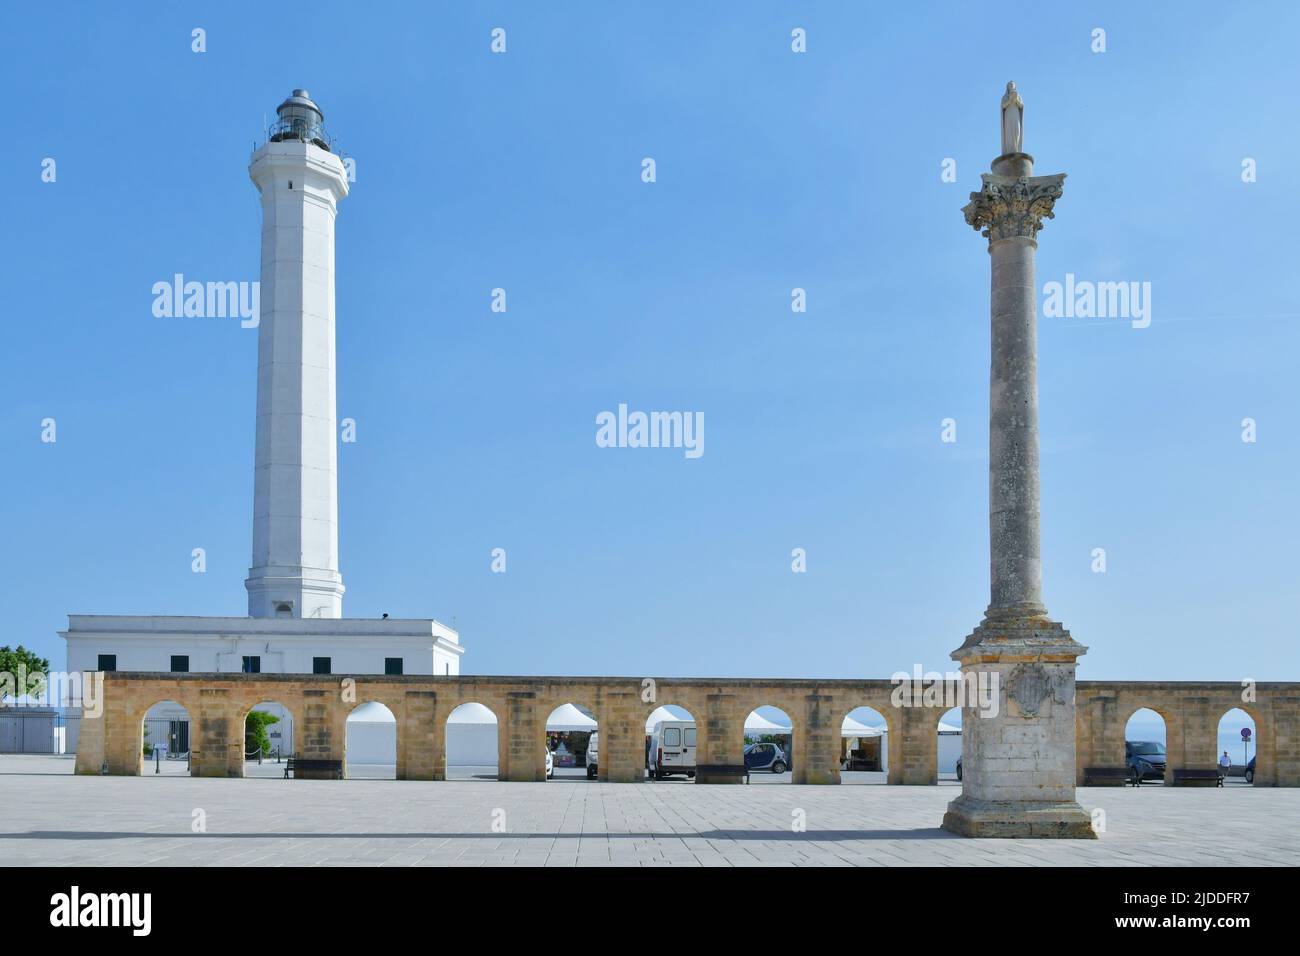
(671, 744)
(948, 763)
(573, 743)
(268, 739)
(1145, 740)
(472, 740)
(769, 745)
(1233, 741)
(165, 735)
(864, 747)
(370, 747)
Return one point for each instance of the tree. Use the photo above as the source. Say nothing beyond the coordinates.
(15, 662)
(255, 734)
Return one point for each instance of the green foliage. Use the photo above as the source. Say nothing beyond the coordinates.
(16, 662)
(255, 734)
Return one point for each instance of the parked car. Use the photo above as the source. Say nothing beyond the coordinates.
(766, 756)
(1250, 771)
(550, 764)
(1146, 760)
(672, 749)
(593, 745)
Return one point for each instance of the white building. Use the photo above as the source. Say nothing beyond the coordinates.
(295, 587)
(261, 645)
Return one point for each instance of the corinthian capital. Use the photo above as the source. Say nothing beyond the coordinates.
(1008, 207)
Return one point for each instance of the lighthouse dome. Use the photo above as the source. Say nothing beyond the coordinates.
(301, 119)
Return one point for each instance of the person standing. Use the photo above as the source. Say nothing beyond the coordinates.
(1225, 764)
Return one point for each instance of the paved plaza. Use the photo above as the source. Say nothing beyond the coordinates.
(49, 816)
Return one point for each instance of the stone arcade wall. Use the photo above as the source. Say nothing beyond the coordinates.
(1191, 711)
(218, 704)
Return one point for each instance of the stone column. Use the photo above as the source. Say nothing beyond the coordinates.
(218, 746)
(92, 755)
(1279, 743)
(719, 736)
(420, 737)
(816, 742)
(895, 770)
(503, 742)
(526, 733)
(1199, 718)
(621, 718)
(1017, 757)
(322, 731)
(917, 729)
(1099, 733)
(1176, 755)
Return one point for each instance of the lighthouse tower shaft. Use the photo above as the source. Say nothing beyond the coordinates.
(295, 566)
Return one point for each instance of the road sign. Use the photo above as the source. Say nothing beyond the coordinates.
(1245, 733)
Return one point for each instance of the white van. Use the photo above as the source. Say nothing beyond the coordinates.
(672, 749)
(593, 745)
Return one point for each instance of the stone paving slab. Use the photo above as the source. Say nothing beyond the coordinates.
(50, 817)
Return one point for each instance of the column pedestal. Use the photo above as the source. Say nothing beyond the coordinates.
(1018, 762)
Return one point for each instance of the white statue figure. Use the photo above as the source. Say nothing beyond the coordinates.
(1013, 121)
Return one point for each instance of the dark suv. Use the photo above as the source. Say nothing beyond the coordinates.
(1145, 759)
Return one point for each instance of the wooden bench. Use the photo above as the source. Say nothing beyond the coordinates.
(721, 770)
(1194, 777)
(1107, 777)
(313, 765)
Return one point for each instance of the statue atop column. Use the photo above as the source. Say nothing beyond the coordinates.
(1013, 202)
(1013, 121)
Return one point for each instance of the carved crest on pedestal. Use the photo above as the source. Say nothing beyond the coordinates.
(1031, 684)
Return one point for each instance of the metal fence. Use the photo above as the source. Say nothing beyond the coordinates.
(30, 731)
(38, 732)
(171, 735)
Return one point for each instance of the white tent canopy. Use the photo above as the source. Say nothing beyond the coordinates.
(472, 737)
(472, 713)
(948, 728)
(852, 728)
(372, 735)
(568, 718)
(756, 723)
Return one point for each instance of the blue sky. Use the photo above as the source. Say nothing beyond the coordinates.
(774, 170)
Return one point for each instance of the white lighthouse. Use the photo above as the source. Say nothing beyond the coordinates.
(295, 568)
(295, 620)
